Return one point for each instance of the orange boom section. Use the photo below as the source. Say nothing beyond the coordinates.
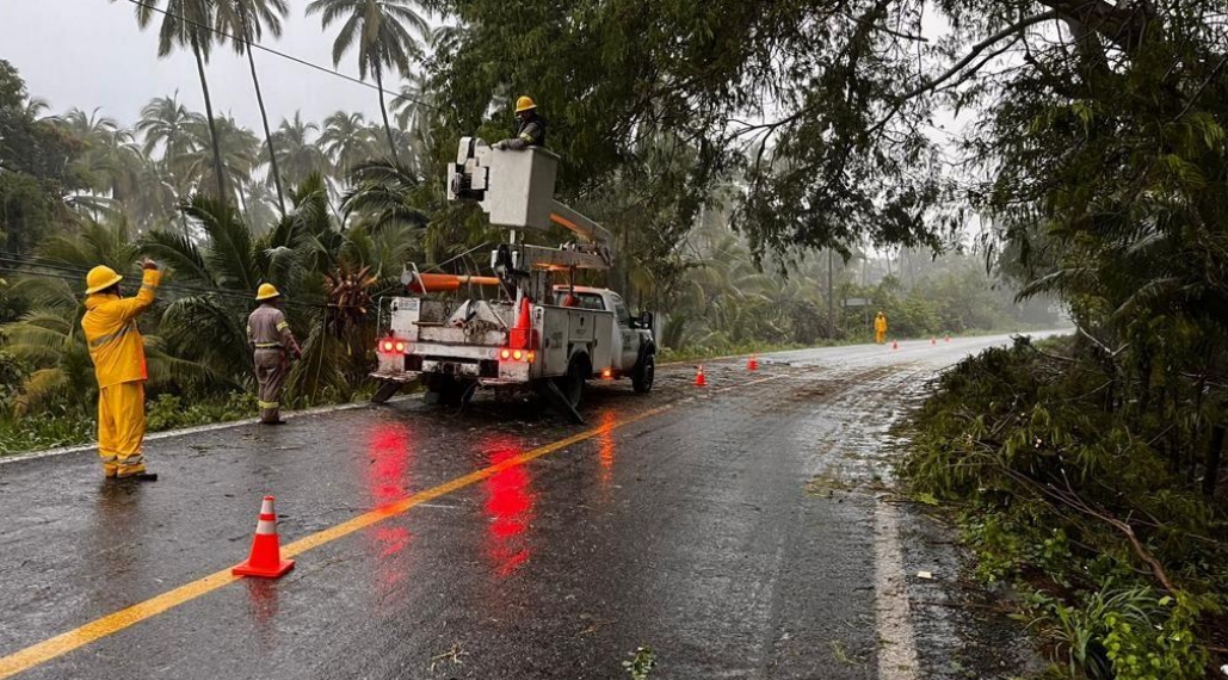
(441, 283)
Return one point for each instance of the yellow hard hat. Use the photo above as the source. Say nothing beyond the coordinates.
(267, 291)
(525, 104)
(101, 278)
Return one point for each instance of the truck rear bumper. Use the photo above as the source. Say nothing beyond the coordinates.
(399, 377)
(503, 382)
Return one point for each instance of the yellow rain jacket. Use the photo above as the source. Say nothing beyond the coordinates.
(115, 344)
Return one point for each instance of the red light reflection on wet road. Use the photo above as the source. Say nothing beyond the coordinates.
(605, 454)
(509, 504)
(390, 452)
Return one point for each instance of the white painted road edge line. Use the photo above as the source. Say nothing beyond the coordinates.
(171, 434)
(897, 646)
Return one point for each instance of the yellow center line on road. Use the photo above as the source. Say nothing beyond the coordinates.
(97, 629)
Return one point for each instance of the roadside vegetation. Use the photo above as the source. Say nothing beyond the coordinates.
(1096, 492)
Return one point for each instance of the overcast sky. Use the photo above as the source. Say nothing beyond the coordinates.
(90, 53)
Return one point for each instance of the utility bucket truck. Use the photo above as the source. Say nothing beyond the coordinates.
(527, 327)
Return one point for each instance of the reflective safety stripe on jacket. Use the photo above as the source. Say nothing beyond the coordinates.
(533, 131)
(267, 329)
(115, 344)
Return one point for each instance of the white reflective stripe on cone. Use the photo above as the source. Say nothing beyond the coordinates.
(267, 526)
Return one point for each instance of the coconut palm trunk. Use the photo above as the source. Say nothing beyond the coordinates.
(264, 116)
(383, 109)
(217, 149)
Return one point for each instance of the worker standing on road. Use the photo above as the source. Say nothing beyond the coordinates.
(880, 328)
(118, 352)
(532, 130)
(270, 339)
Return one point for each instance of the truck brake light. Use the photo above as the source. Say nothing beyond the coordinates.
(528, 356)
(387, 345)
(400, 346)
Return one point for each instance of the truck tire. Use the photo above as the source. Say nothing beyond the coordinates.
(572, 384)
(644, 374)
(384, 392)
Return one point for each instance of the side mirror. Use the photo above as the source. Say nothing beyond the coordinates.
(645, 321)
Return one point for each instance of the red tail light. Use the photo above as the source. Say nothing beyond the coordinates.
(387, 345)
(607, 374)
(401, 346)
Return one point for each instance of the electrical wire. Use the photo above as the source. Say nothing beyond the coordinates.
(298, 60)
(75, 274)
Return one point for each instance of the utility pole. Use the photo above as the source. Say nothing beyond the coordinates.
(831, 300)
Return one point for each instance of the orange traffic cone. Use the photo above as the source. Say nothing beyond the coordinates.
(895, 345)
(752, 364)
(933, 341)
(700, 380)
(518, 335)
(265, 559)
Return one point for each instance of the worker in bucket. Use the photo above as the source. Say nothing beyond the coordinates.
(118, 352)
(532, 130)
(270, 339)
(880, 328)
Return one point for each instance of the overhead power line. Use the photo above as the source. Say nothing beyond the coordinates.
(298, 60)
(76, 275)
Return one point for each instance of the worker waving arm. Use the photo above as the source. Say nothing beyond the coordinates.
(130, 308)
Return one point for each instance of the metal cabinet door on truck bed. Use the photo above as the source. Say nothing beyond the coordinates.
(566, 328)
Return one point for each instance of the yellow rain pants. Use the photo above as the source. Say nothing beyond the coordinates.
(880, 329)
(121, 428)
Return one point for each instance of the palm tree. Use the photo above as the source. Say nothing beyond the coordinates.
(347, 141)
(236, 146)
(36, 107)
(387, 194)
(245, 21)
(189, 23)
(164, 123)
(378, 28)
(111, 160)
(297, 153)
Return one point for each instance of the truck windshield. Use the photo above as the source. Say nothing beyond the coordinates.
(582, 300)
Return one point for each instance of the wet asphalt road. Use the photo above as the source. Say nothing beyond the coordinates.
(683, 523)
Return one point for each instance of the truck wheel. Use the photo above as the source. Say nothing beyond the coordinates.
(572, 384)
(644, 374)
(384, 392)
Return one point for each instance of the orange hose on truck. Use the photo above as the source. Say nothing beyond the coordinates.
(442, 283)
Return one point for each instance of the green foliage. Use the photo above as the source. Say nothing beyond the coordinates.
(641, 663)
(1130, 633)
(53, 430)
(1055, 490)
(169, 412)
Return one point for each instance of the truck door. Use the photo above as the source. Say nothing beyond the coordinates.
(629, 346)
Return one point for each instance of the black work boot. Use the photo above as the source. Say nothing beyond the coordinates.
(139, 477)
